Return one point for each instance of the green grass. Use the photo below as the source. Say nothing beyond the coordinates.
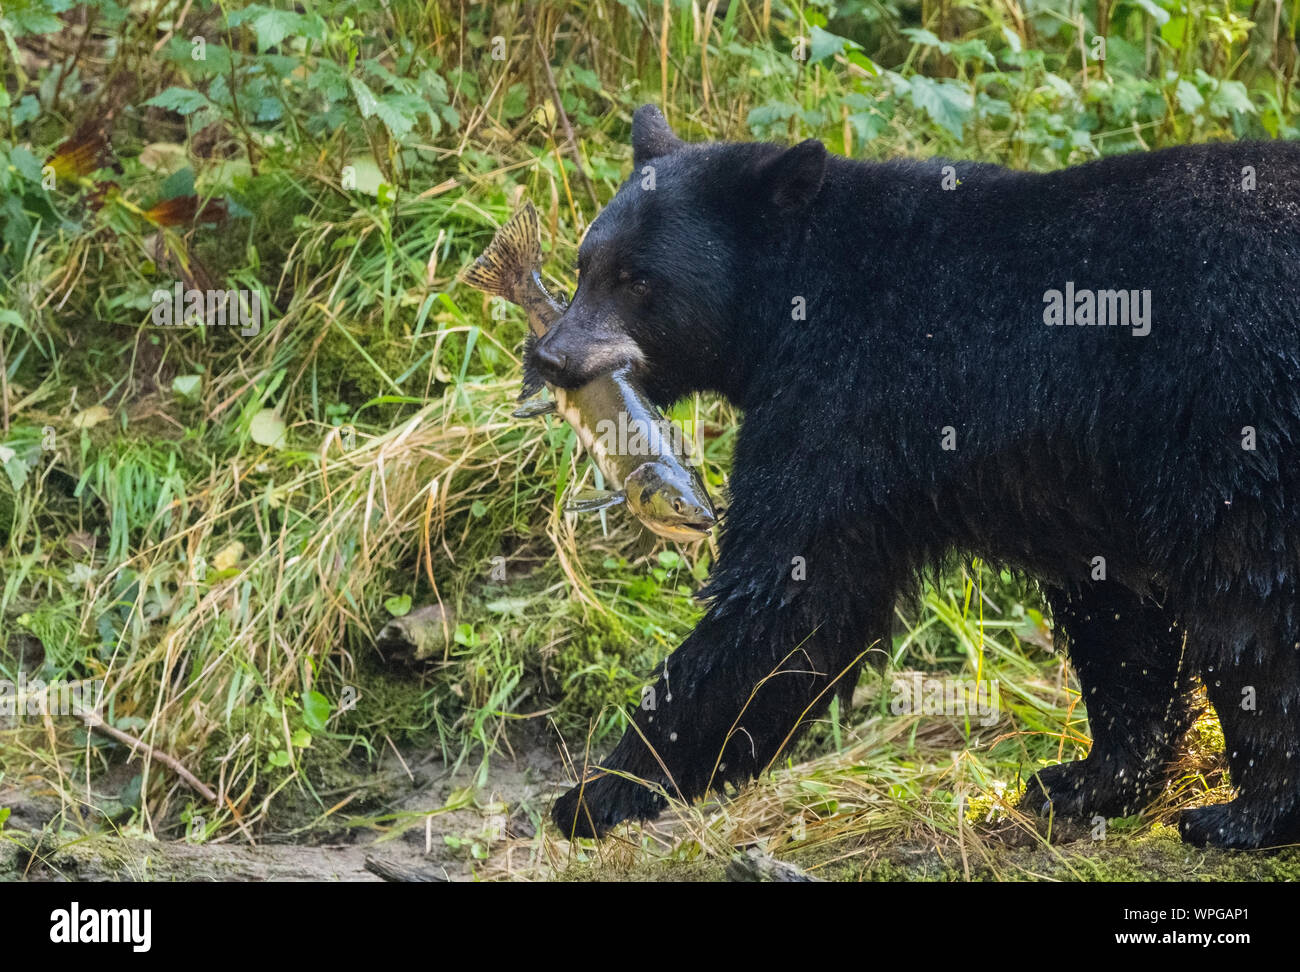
(228, 591)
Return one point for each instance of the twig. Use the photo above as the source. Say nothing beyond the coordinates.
(4, 389)
(95, 722)
(176, 25)
(568, 129)
(663, 58)
(91, 16)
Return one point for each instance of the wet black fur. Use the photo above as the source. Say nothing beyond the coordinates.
(925, 310)
(533, 382)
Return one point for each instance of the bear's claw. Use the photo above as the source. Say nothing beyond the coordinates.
(591, 808)
(1084, 789)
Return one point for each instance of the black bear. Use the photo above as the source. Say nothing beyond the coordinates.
(1090, 375)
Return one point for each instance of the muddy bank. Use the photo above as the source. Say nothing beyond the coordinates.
(411, 818)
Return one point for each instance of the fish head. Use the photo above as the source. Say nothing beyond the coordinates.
(670, 500)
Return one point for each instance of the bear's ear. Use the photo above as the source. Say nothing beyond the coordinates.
(651, 136)
(791, 180)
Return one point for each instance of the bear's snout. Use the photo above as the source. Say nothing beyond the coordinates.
(551, 363)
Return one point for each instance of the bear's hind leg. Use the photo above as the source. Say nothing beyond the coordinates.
(1255, 690)
(1128, 654)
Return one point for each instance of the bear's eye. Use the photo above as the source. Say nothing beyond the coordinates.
(639, 288)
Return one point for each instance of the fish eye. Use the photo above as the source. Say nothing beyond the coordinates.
(639, 288)
(677, 506)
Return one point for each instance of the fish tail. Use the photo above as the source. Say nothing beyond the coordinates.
(514, 252)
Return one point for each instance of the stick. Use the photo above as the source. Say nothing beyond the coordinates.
(568, 129)
(95, 722)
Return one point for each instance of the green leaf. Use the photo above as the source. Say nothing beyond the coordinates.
(864, 62)
(366, 99)
(763, 118)
(316, 710)
(179, 183)
(824, 44)
(27, 164)
(1159, 13)
(399, 605)
(301, 739)
(329, 80)
(278, 758)
(267, 429)
(924, 38)
(868, 125)
(16, 224)
(1061, 86)
(1231, 98)
(396, 121)
(36, 17)
(1189, 99)
(28, 108)
(1172, 31)
(187, 387)
(366, 176)
(515, 102)
(183, 101)
(273, 26)
(950, 105)
(15, 467)
(973, 49)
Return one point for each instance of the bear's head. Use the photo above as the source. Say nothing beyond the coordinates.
(666, 270)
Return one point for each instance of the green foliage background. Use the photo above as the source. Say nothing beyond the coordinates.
(227, 586)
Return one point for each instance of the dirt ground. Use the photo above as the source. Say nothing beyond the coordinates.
(414, 818)
(422, 821)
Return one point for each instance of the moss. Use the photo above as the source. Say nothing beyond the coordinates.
(660, 870)
(601, 669)
(344, 374)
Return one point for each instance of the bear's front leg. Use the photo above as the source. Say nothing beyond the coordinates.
(766, 660)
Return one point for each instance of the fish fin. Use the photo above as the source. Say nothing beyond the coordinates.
(591, 500)
(533, 382)
(534, 408)
(515, 250)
